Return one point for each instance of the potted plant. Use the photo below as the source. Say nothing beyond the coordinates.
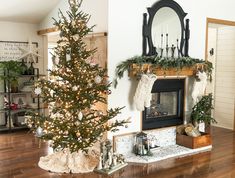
(11, 71)
(201, 112)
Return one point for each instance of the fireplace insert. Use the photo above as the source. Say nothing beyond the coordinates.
(167, 104)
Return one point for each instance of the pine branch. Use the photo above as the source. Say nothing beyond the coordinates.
(164, 63)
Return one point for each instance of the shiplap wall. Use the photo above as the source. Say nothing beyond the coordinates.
(225, 77)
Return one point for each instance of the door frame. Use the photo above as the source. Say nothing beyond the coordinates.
(220, 22)
(215, 21)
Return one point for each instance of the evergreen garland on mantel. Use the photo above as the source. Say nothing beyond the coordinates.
(162, 62)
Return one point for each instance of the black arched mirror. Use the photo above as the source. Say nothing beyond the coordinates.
(164, 32)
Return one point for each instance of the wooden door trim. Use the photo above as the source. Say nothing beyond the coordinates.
(55, 29)
(216, 21)
(47, 30)
(220, 22)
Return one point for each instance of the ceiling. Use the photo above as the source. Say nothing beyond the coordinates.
(26, 11)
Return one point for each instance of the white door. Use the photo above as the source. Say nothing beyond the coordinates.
(224, 79)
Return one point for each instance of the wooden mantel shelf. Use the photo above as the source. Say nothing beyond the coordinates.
(185, 71)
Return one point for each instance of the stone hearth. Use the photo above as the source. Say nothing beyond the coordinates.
(162, 153)
(165, 138)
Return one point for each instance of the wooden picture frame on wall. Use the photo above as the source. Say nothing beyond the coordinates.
(124, 143)
(11, 50)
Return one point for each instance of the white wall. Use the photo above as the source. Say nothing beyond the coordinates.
(97, 9)
(212, 43)
(125, 40)
(22, 32)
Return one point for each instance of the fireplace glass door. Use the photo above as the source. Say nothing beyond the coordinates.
(163, 104)
(167, 104)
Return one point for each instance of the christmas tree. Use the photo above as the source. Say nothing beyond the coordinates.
(74, 87)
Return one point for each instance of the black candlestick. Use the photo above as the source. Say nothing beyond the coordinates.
(167, 48)
(177, 41)
(172, 51)
(167, 39)
(161, 50)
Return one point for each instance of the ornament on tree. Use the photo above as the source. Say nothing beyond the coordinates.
(80, 116)
(98, 79)
(39, 132)
(38, 91)
(74, 88)
(68, 54)
(77, 123)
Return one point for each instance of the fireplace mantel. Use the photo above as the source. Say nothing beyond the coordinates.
(185, 71)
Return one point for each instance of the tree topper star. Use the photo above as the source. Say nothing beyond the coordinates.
(31, 53)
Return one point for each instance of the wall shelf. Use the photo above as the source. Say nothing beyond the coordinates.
(17, 104)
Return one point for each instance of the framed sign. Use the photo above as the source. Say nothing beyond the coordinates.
(124, 143)
(11, 50)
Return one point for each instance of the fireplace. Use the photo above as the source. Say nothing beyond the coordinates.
(167, 104)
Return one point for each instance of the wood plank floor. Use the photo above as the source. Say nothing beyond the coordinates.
(19, 155)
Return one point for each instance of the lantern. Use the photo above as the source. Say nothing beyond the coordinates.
(141, 146)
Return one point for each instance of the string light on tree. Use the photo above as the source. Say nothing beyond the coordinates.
(76, 88)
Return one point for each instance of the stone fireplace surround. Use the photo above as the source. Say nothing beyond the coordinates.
(165, 138)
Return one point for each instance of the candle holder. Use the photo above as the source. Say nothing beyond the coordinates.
(178, 49)
(167, 47)
(161, 52)
(167, 50)
(141, 146)
(173, 51)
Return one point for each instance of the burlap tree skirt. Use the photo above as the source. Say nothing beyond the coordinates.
(65, 162)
